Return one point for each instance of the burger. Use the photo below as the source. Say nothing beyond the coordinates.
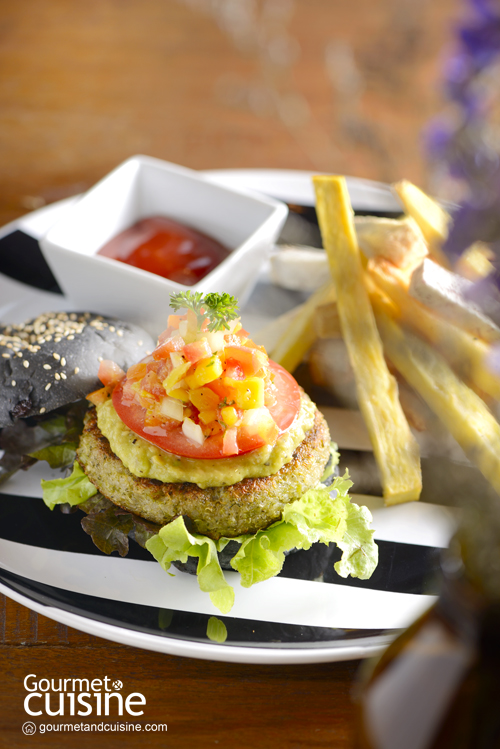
(211, 456)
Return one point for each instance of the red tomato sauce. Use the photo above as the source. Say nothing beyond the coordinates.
(166, 248)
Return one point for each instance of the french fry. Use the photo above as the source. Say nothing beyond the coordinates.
(326, 321)
(270, 334)
(462, 411)
(394, 446)
(475, 263)
(431, 218)
(466, 354)
(399, 240)
(300, 334)
(446, 293)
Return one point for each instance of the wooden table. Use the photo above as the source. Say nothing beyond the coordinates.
(203, 703)
(85, 85)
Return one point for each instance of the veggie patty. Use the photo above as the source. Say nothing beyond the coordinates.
(244, 507)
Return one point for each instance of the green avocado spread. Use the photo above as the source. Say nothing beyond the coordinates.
(147, 461)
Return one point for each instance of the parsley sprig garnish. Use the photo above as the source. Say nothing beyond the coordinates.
(220, 309)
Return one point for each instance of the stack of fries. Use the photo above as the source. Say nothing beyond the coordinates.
(392, 321)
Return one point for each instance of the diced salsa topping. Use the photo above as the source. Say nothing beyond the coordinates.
(206, 391)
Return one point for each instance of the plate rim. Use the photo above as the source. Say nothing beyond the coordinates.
(370, 646)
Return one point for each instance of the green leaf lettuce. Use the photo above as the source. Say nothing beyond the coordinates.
(323, 515)
(175, 543)
(72, 490)
(57, 456)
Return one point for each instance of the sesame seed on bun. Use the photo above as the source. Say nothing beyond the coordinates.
(53, 360)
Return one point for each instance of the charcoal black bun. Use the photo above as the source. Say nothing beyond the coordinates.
(53, 359)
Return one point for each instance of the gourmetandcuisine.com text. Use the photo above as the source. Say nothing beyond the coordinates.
(100, 727)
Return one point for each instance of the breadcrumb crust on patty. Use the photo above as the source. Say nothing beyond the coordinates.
(244, 507)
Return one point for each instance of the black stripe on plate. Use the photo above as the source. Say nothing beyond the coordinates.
(21, 258)
(402, 568)
(28, 520)
(180, 625)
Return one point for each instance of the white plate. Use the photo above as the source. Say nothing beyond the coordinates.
(48, 564)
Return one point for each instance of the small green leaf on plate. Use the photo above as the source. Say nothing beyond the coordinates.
(216, 630)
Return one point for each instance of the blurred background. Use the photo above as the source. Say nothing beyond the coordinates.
(298, 84)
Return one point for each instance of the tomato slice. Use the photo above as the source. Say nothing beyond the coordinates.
(172, 439)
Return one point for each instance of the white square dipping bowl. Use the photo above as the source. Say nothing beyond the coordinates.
(141, 187)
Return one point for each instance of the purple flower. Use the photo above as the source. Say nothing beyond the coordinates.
(457, 70)
(471, 157)
(437, 138)
(482, 41)
(460, 142)
(458, 74)
(488, 9)
(486, 295)
(474, 222)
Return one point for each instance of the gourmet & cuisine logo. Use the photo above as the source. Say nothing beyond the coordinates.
(82, 697)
